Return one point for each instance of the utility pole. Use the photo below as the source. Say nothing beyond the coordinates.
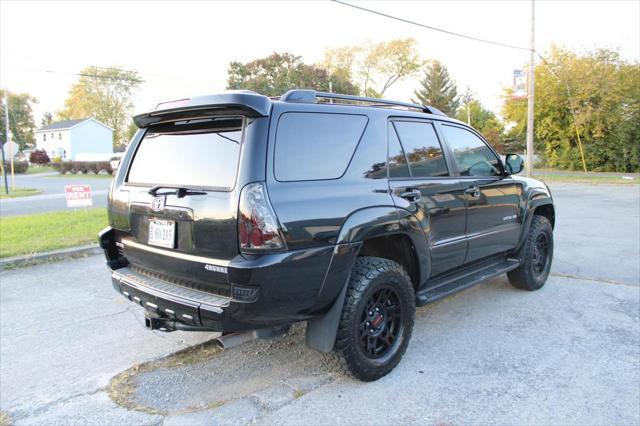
(5, 103)
(530, 91)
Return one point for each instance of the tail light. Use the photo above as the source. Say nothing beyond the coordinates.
(257, 224)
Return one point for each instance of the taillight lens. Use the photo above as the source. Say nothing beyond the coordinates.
(257, 224)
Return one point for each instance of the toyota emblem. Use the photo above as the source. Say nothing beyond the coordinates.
(157, 205)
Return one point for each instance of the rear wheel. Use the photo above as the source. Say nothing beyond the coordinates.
(377, 318)
(536, 255)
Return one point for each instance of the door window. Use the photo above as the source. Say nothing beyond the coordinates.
(472, 155)
(423, 149)
(397, 161)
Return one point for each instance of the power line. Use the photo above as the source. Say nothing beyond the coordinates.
(429, 27)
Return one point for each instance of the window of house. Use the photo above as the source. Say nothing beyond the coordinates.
(44, 137)
(472, 155)
(59, 136)
(422, 148)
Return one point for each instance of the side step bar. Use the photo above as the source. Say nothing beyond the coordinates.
(466, 278)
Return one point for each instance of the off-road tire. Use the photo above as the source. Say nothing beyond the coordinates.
(529, 275)
(373, 276)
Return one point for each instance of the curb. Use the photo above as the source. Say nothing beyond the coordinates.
(48, 256)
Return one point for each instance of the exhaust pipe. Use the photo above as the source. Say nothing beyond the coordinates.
(230, 340)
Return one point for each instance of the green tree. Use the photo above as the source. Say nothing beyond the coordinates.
(47, 118)
(105, 94)
(483, 120)
(438, 89)
(602, 91)
(21, 121)
(375, 66)
(279, 72)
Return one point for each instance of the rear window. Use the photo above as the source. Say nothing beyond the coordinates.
(313, 146)
(188, 155)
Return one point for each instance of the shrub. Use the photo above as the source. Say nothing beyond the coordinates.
(39, 156)
(79, 166)
(83, 167)
(104, 166)
(18, 166)
(92, 166)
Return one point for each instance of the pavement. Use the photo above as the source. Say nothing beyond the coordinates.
(72, 351)
(52, 196)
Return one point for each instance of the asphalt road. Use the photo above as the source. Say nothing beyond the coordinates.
(52, 196)
(567, 354)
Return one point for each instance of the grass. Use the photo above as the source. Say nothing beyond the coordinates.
(589, 178)
(28, 234)
(18, 192)
(34, 170)
(87, 176)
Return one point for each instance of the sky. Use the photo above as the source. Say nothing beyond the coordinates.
(183, 48)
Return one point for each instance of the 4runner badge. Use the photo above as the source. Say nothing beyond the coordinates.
(157, 205)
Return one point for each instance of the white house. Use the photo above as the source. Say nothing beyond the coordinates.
(85, 139)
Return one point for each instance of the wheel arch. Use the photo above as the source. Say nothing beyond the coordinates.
(370, 231)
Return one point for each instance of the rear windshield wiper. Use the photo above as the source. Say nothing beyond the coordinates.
(179, 191)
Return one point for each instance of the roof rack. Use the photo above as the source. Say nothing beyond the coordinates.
(310, 96)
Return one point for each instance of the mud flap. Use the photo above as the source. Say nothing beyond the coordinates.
(322, 330)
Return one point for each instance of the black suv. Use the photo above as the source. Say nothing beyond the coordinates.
(243, 214)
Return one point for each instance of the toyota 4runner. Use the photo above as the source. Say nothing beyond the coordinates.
(242, 214)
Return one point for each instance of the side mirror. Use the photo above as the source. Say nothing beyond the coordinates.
(513, 164)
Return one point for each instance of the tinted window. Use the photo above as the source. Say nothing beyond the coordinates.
(204, 159)
(311, 146)
(397, 161)
(423, 149)
(472, 155)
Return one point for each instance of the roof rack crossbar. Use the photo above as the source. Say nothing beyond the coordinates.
(309, 96)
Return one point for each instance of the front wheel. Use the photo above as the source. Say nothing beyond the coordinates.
(536, 255)
(377, 318)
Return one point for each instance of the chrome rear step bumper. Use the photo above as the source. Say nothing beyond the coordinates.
(169, 303)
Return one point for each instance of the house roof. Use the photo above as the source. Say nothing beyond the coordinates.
(66, 124)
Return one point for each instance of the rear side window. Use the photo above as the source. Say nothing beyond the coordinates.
(397, 161)
(423, 149)
(198, 158)
(313, 146)
(472, 155)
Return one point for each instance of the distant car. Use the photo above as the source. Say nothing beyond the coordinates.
(242, 214)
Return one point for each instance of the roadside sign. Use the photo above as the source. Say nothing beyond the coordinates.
(78, 195)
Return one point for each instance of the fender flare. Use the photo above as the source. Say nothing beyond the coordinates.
(359, 226)
(537, 197)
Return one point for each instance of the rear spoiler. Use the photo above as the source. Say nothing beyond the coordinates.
(241, 102)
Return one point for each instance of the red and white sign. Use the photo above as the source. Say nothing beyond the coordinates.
(78, 195)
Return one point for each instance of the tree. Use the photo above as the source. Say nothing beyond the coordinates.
(47, 118)
(279, 72)
(602, 91)
(375, 66)
(105, 94)
(483, 120)
(438, 89)
(21, 121)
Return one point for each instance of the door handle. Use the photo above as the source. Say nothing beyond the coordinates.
(411, 195)
(473, 191)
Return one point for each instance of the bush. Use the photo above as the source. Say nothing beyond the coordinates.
(39, 156)
(18, 166)
(79, 166)
(83, 167)
(104, 166)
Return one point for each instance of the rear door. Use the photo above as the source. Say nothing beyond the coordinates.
(493, 213)
(421, 182)
(183, 199)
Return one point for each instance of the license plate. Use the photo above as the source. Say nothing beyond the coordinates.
(162, 233)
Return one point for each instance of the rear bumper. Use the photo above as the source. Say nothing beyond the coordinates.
(264, 290)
